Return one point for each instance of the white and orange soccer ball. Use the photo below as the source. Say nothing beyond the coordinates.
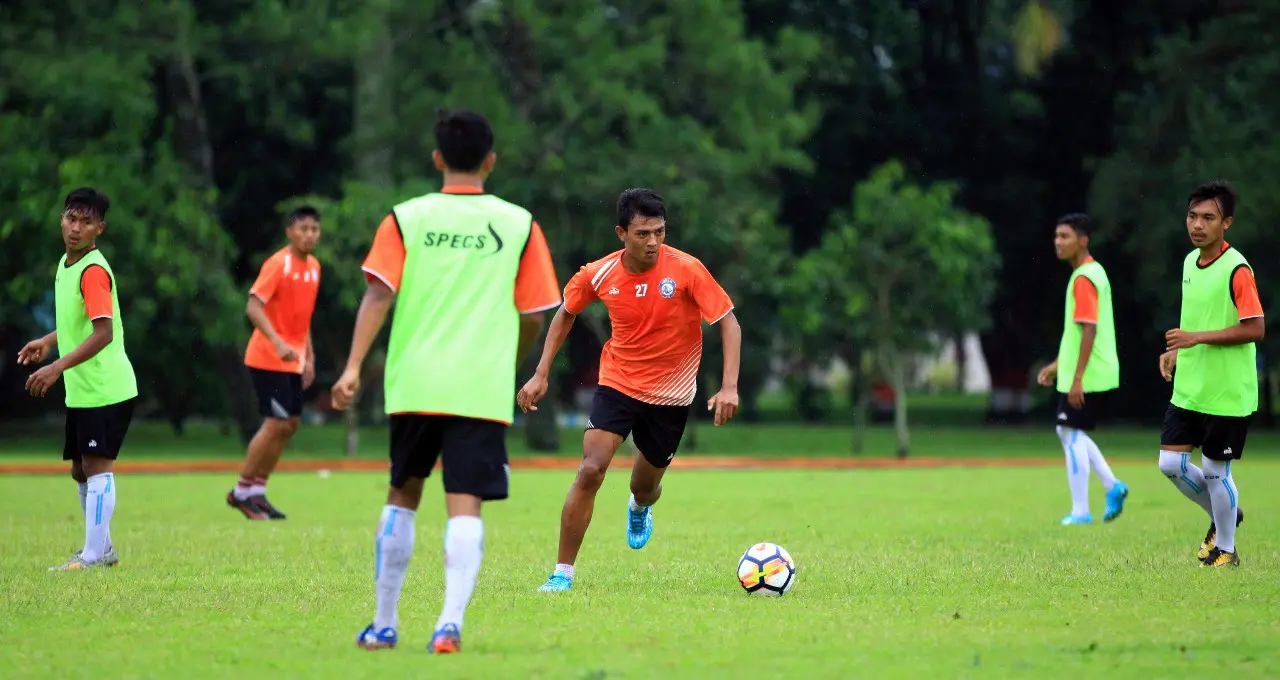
(767, 569)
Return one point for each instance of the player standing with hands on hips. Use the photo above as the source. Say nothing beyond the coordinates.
(1212, 362)
(657, 299)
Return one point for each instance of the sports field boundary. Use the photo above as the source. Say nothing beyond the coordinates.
(555, 463)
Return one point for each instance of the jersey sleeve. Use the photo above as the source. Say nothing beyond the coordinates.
(385, 261)
(579, 292)
(1244, 292)
(95, 287)
(268, 279)
(1086, 297)
(713, 302)
(537, 289)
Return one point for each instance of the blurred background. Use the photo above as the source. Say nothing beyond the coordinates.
(875, 182)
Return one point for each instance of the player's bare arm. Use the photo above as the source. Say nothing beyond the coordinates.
(725, 402)
(1047, 374)
(369, 321)
(1168, 361)
(40, 381)
(36, 351)
(533, 391)
(1243, 333)
(530, 326)
(309, 364)
(256, 310)
(1088, 332)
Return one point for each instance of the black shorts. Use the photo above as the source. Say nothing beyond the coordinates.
(279, 393)
(1217, 437)
(1096, 408)
(97, 431)
(656, 430)
(474, 453)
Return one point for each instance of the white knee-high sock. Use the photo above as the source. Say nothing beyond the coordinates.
(392, 550)
(1226, 499)
(84, 491)
(1187, 478)
(100, 504)
(463, 553)
(1096, 462)
(1077, 468)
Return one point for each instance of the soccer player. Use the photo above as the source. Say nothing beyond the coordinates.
(657, 298)
(1211, 360)
(99, 380)
(1086, 370)
(280, 356)
(472, 276)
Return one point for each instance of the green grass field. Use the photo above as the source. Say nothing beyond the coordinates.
(948, 573)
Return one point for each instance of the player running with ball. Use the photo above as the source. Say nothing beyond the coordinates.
(657, 298)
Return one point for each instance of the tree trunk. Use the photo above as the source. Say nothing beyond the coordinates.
(860, 399)
(542, 429)
(894, 366)
(962, 362)
(351, 421)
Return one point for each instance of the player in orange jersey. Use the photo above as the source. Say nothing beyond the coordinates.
(279, 356)
(657, 298)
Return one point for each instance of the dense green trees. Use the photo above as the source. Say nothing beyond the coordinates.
(756, 119)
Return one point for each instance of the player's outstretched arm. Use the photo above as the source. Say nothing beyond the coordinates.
(529, 395)
(369, 320)
(40, 381)
(725, 402)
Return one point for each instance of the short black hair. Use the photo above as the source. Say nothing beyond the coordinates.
(1223, 193)
(1080, 222)
(464, 138)
(88, 199)
(301, 212)
(645, 202)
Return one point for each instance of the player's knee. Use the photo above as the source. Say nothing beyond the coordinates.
(591, 474)
(1170, 464)
(77, 473)
(284, 427)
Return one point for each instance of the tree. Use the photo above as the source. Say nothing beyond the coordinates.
(1205, 111)
(900, 262)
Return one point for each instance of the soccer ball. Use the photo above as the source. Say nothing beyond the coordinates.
(767, 569)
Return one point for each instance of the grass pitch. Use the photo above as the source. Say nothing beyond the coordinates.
(944, 573)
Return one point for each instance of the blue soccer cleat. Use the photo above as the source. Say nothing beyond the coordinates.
(1115, 501)
(372, 639)
(639, 526)
(447, 640)
(558, 583)
(1080, 519)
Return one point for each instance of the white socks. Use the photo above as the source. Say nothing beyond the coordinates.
(99, 504)
(1077, 468)
(1189, 479)
(565, 570)
(1097, 462)
(84, 491)
(463, 552)
(392, 550)
(1225, 500)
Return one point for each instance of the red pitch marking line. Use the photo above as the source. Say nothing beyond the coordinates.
(554, 463)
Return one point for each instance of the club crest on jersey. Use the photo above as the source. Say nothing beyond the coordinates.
(667, 287)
